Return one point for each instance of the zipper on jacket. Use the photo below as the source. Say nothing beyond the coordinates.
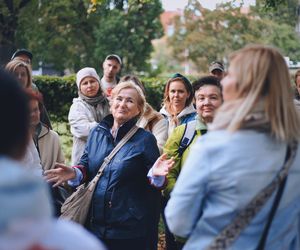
(111, 198)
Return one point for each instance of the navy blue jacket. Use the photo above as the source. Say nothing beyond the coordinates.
(123, 204)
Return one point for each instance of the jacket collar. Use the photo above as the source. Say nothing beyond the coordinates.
(186, 111)
(108, 122)
(40, 131)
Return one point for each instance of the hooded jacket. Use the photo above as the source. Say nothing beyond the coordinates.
(186, 115)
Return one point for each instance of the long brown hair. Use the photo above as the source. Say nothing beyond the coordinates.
(187, 85)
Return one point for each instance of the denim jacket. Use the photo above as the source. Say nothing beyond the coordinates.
(223, 172)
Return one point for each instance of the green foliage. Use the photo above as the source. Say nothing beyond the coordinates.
(128, 30)
(63, 129)
(210, 35)
(64, 34)
(58, 93)
(10, 12)
(280, 11)
(59, 34)
(154, 91)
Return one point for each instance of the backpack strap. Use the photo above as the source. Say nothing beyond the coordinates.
(187, 137)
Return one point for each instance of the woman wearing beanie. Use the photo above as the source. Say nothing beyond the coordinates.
(87, 110)
(177, 105)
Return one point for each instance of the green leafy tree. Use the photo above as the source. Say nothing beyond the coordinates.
(10, 11)
(280, 11)
(78, 33)
(210, 35)
(128, 30)
(59, 34)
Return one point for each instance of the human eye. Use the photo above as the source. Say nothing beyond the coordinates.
(130, 100)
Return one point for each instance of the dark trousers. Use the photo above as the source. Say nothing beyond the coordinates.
(124, 244)
(170, 240)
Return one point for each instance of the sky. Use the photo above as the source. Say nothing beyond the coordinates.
(210, 4)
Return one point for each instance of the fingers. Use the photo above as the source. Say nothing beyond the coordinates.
(56, 180)
(60, 165)
(58, 183)
(163, 156)
(53, 179)
(54, 171)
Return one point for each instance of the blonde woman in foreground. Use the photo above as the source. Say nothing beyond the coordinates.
(243, 153)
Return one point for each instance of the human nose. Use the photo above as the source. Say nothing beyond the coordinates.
(122, 103)
(89, 84)
(206, 101)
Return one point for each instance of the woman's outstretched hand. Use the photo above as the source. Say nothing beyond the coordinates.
(60, 174)
(162, 165)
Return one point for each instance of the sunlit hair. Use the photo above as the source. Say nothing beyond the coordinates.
(262, 74)
(14, 64)
(141, 102)
(296, 75)
(135, 80)
(188, 88)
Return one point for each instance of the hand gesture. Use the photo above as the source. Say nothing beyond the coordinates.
(60, 174)
(162, 166)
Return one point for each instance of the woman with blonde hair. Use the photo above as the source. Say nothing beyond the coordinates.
(177, 105)
(233, 174)
(22, 72)
(122, 211)
(151, 120)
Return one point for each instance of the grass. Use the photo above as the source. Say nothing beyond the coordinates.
(63, 130)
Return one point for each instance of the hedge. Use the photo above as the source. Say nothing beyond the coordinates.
(58, 93)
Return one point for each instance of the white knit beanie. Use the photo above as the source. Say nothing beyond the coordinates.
(84, 73)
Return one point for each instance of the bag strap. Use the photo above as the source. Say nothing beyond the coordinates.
(263, 239)
(241, 221)
(187, 137)
(111, 155)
